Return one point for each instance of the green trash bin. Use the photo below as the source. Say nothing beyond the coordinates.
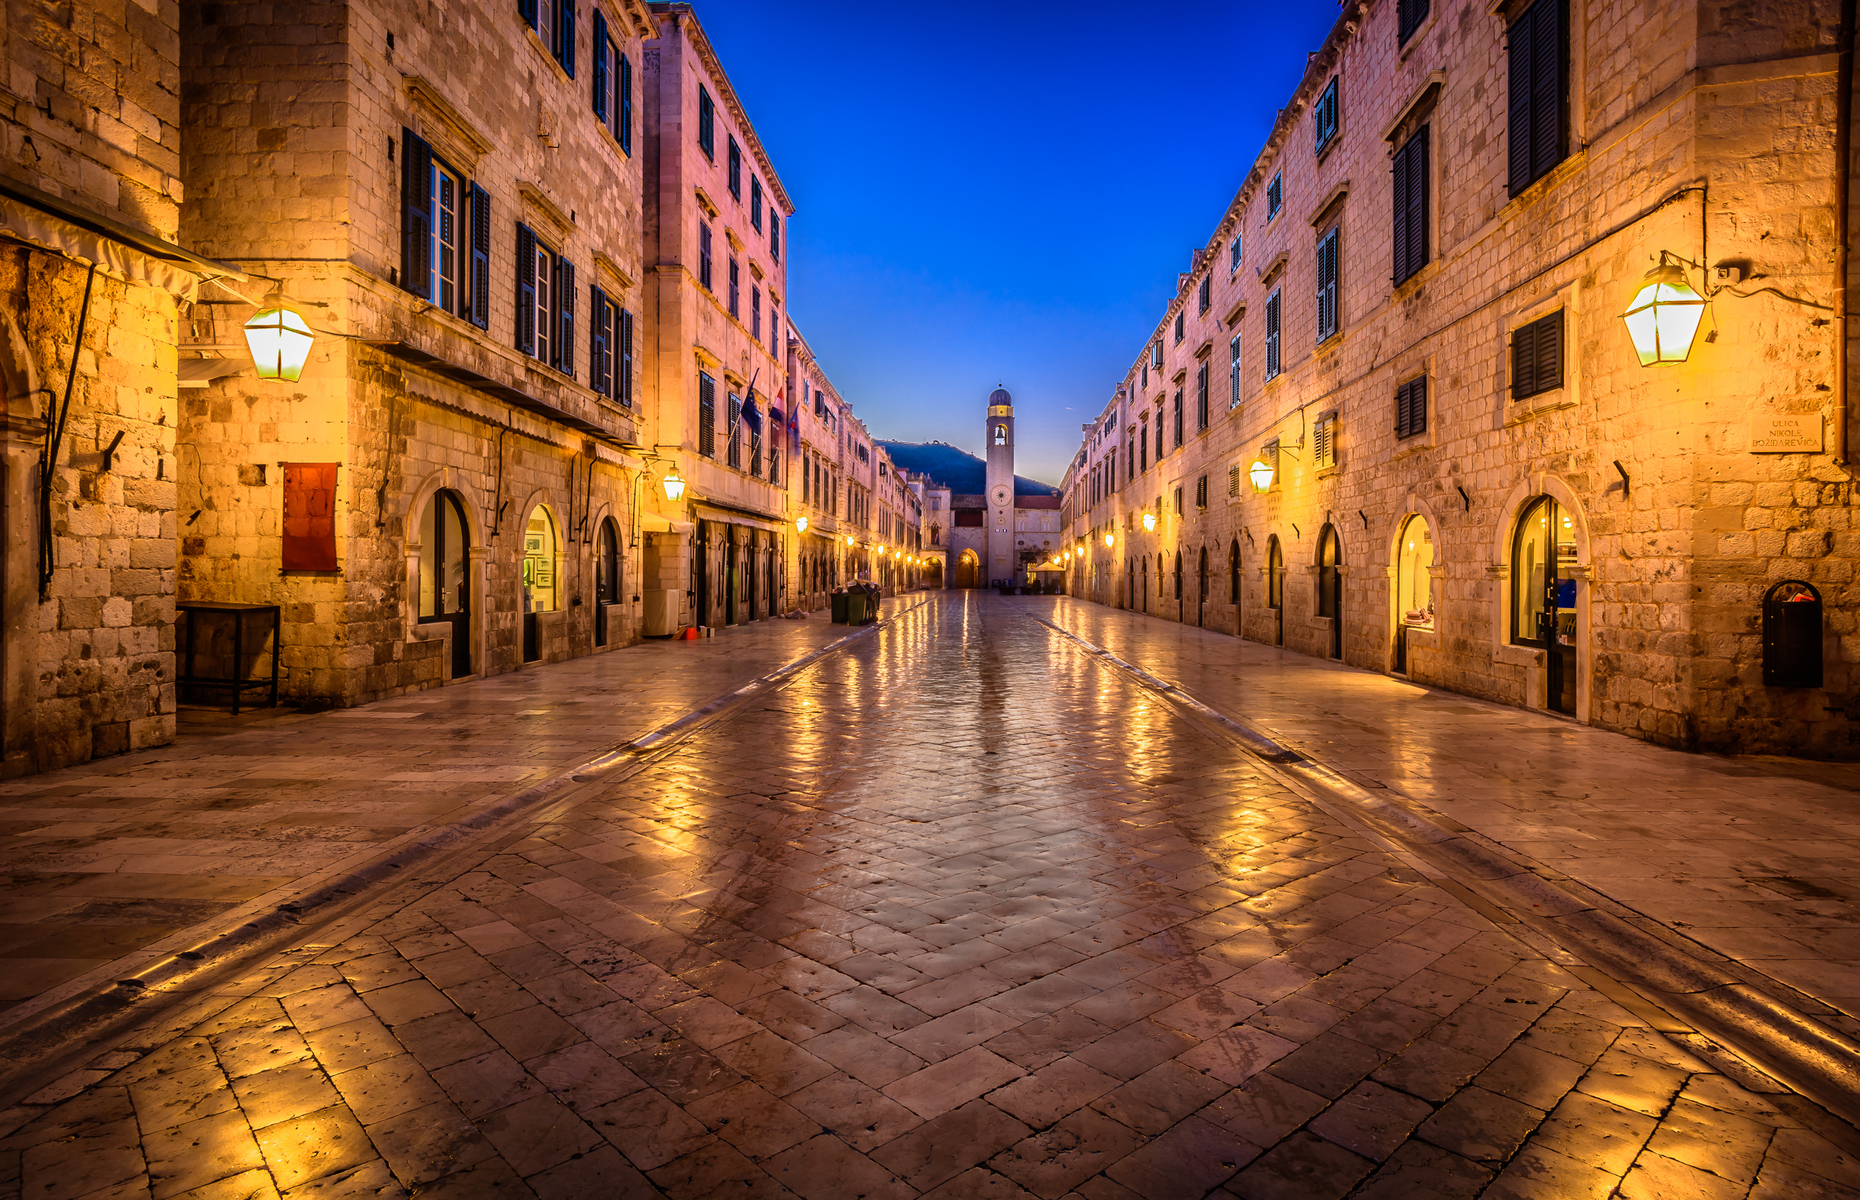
(839, 602)
(856, 608)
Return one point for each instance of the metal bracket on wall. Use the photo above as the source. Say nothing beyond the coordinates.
(1464, 496)
(1624, 477)
(109, 452)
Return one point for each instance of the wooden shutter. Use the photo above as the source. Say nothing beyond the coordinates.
(1547, 114)
(1324, 442)
(1272, 336)
(1518, 124)
(1411, 195)
(565, 33)
(1178, 418)
(1233, 480)
(1411, 14)
(1201, 398)
(774, 234)
(565, 328)
(309, 533)
(600, 321)
(599, 90)
(623, 103)
(1549, 368)
(1524, 361)
(416, 208)
(527, 10)
(707, 415)
(1327, 285)
(623, 370)
(732, 436)
(1411, 407)
(480, 283)
(526, 289)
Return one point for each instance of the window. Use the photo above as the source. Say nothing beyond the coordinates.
(1537, 356)
(736, 294)
(1538, 134)
(1324, 116)
(1327, 284)
(733, 435)
(704, 255)
(1411, 407)
(707, 124)
(774, 327)
(1130, 464)
(1234, 254)
(1410, 14)
(1178, 501)
(1159, 424)
(1233, 371)
(1272, 335)
(545, 303)
(1178, 418)
(707, 416)
(610, 348)
(1205, 298)
(1324, 442)
(1146, 375)
(755, 203)
(774, 234)
(1411, 187)
(1178, 327)
(754, 421)
(1275, 196)
(554, 23)
(1155, 357)
(613, 85)
(1201, 492)
(1143, 453)
(445, 234)
(755, 313)
(1201, 398)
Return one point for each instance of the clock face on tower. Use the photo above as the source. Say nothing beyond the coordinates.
(1001, 495)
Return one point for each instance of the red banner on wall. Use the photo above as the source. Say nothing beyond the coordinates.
(310, 516)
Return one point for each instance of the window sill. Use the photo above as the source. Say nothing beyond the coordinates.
(1412, 284)
(1531, 407)
(1414, 37)
(1327, 472)
(1411, 445)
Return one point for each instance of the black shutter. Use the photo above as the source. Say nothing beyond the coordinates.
(1549, 372)
(527, 10)
(480, 282)
(600, 65)
(1411, 407)
(565, 331)
(1411, 192)
(707, 415)
(565, 30)
(526, 289)
(623, 102)
(416, 215)
(1518, 130)
(600, 362)
(623, 369)
(1524, 361)
(1547, 109)
(1412, 13)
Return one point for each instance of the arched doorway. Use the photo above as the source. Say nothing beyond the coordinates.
(1146, 581)
(445, 590)
(1130, 583)
(1330, 585)
(1414, 586)
(1201, 597)
(732, 574)
(700, 572)
(606, 576)
(1543, 596)
(933, 573)
(1181, 606)
(1275, 588)
(1233, 583)
(540, 594)
(968, 570)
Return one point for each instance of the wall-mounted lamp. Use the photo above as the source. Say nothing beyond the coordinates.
(279, 341)
(1110, 539)
(800, 524)
(1149, 522)
(674, 485)
(1664, 315)
(1261, 473)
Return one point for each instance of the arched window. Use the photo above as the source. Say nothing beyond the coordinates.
(1178, 574)
(607, 564)
(1001, 435)
(1414, 586)
(1544, 543)
(443, 588)
(936, 535)
(1233, 572)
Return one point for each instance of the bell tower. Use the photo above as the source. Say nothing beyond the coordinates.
(1002, 560)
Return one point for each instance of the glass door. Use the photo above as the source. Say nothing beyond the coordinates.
(1544, 597)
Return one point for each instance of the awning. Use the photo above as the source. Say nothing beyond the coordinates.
(716, 511)
(199, 372)
(504, 392)
(41, 219)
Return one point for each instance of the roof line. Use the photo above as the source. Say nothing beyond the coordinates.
(682, 14)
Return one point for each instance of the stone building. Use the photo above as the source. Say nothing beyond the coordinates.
(1394, 416)
(997, 534)
(93, 285)
(715, 236)
(452, 486)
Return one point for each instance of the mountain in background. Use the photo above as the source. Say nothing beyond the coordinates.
(958, 470)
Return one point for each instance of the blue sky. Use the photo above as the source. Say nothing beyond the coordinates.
(1001, 194)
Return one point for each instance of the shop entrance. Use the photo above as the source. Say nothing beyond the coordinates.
(700, 572)
(539, 582)
(1330, 586)
(1146, 582)
(1414, 586)
(606, 577)
(1201, 599)
(445, 592)
(1543, 561)
(1275, 589)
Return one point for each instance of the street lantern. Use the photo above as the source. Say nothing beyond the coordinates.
(800, 524)
(1664, 315)
(1110, 539)
(1149, 522)
(1261, 471)
(674, 485)
(280, 342)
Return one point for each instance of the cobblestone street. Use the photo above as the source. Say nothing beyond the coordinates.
(961, 910)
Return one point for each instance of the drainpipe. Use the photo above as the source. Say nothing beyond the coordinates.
(1843, 143)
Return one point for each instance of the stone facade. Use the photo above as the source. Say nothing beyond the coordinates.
(90, 288)
(1703, 130)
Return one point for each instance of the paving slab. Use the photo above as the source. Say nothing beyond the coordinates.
(1255, 1000)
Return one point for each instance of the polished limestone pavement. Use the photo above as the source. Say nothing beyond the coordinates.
(961, 911)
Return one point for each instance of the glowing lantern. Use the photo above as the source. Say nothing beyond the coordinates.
(1261, 471)
(280, 342)
(1664, 316)
(674, 484)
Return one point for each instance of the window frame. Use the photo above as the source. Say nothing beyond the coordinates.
(1329, 318)
(1410, 15)
(1275, 327)
(1412, 191)
(733, 165)
(707, 415)
(1327, 115)
(707, 124)
(1201, 397)
(1411, 407)
(705, 279)
(1204, 297)
(1275, 195)
(1529, 158)
(1528, 353)
(1235, 359)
